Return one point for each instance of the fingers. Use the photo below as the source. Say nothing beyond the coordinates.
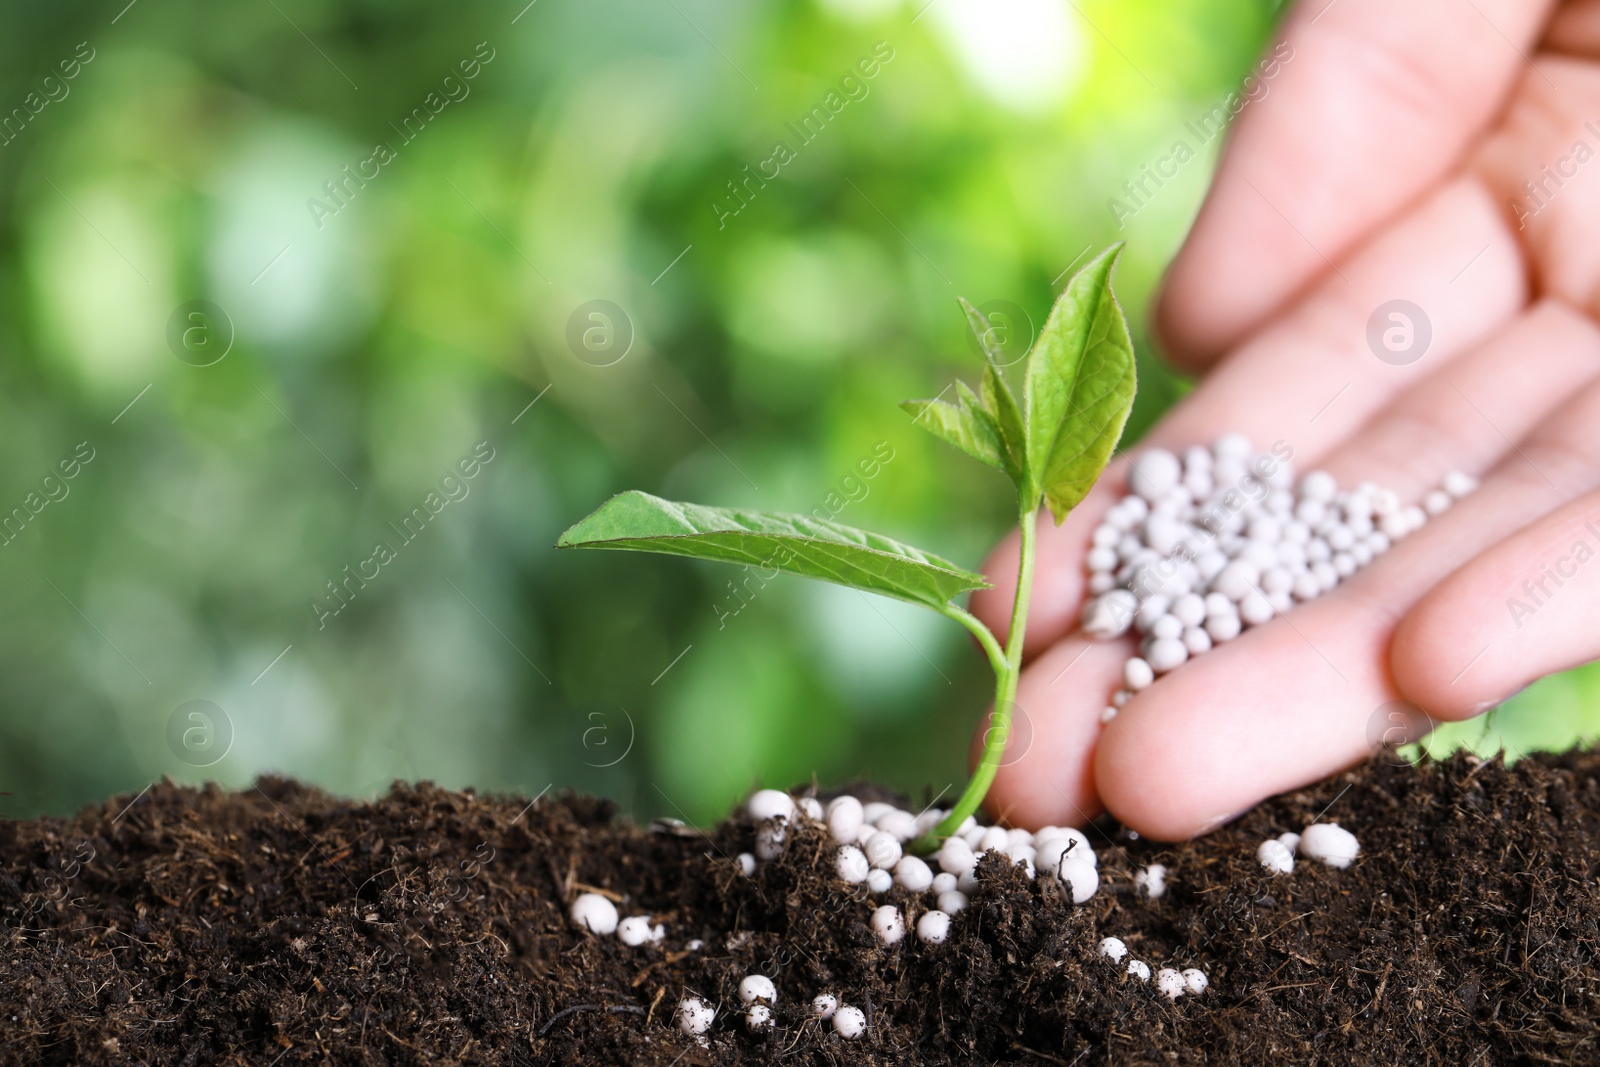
(1292, 701)
(1466, 416)
(1521, 610)
(1310, 380)
(1372, 104)
(1447, 423)
(1314, 376)
(1538, 162)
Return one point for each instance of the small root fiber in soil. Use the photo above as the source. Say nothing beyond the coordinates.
(280, 925)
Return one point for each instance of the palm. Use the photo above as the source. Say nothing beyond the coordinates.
(1387, 162)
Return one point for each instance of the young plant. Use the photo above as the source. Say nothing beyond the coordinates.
(1077, 390)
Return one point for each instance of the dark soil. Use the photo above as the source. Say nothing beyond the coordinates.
(283, 926)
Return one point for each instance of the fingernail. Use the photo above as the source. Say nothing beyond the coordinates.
(1218, 820)
(1479, 709)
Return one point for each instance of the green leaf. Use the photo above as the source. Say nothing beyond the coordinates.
(970, 429)
(794, 544)
(999, 401)
(983, 330)
(970, 424)
(983, 410)
(1078, 388)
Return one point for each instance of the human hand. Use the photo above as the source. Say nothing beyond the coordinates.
(1387, 162)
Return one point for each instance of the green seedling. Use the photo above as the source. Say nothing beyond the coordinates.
(1077, 389)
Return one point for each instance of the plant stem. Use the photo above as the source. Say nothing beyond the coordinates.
(1007, 668)
(986, 638)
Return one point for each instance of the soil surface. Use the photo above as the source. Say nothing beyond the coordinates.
(280, 925)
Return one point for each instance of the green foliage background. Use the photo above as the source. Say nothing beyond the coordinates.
(377, 350)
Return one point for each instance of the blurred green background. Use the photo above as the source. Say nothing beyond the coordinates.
(756, 336)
